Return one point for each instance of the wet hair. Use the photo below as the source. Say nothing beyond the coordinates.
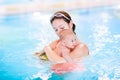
(62, 15)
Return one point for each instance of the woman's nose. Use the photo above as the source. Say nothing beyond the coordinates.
(75, 42)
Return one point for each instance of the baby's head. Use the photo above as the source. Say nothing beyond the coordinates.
(68, 38)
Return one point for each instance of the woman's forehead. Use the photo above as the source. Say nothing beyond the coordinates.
(57, 22)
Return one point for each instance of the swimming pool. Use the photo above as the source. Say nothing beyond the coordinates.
(22, 35)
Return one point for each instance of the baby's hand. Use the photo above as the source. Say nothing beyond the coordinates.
(36, 54)
(41, 56)
(44, 57)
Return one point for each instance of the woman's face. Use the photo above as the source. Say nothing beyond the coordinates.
(59, 25)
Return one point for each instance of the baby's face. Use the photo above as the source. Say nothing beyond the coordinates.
(70, 41)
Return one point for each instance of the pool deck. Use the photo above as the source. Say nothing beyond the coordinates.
(45, 7)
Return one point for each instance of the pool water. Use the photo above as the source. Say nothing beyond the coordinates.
(22, 35)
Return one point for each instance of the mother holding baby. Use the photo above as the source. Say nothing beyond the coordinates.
(60, 21)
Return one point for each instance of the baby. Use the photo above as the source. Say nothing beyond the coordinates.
(68, 41)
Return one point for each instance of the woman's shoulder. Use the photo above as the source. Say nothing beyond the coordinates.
(84, 47)
(54, 43)
(81, 44)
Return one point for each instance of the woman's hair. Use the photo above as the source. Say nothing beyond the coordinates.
(62, 15)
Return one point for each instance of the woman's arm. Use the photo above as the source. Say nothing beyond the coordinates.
(52, 56)
(52, 45)
(80, 51)
(39, 53)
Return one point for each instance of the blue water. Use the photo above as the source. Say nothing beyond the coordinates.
(22, 35)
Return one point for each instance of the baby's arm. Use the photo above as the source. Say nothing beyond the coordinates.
(52, 56)
(39, 53)
(52, 45)
(66, 54)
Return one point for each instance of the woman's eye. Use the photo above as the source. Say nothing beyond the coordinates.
(56, 30)
(62, 28)
(71, 40)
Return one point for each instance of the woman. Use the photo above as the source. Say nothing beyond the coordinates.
(61, 20)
